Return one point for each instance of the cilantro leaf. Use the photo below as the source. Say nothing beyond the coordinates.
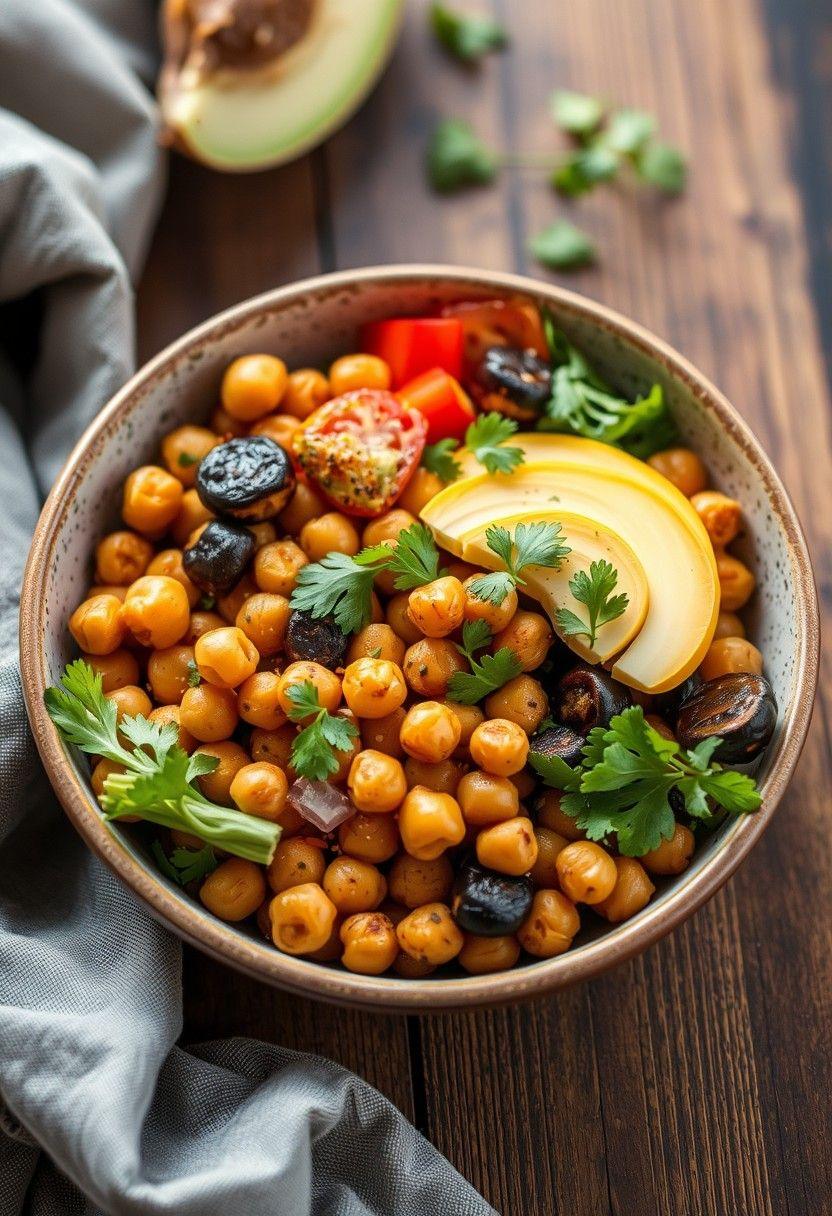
(576, 113)
(663, 167)
(555, 772)
(475, 635)
(314, 748)
(487, 674)
(186, 459)
(595, 591)
(185, 865)
(583, 169)
(562, 246)
(336, 586)
(629, 130)
(457, 158)
(415, 558)
(466, 36)
(194, 678)
(484, 438)
(84, 716)
(535, 544)
(438, 458)
(492, 588)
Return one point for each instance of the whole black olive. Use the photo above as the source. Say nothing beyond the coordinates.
(560, 741)
(518, 375)
(490, 904)
(586, 697)
(740, 708)
(667, 703)
(320, 640)
(218, 560)
(250, 478)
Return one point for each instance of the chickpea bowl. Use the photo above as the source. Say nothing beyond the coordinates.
(404, 615)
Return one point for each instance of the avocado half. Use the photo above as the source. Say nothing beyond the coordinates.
(247, 84)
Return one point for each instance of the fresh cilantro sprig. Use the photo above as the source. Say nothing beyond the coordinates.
(314, 748)
(594, 590)
(185, 865)
(342, 587)
(536, 544)
(485, 438)
(467, 36)
(438, 458)
(487, 674)
(157, 783)
(623, 784)
(562, 246)
(456, 158)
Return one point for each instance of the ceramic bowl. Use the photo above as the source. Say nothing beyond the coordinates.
(306, 324)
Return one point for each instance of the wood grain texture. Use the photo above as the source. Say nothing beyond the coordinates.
(696, 1080)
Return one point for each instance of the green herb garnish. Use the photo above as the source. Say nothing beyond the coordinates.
(456, 157)
(185, 865)
(487, 674)
(438, 458)
(577, 113)
(194, 678)
(313, 750)
(468, 36)
(484, 439)
(537, 544)
(186, 459)
(562, 246)
(595, 591)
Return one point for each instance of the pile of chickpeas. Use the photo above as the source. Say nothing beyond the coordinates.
(434, 784)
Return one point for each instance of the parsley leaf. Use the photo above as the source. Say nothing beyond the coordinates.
(662, 166)
(580, 171)
(415, 559)
(576, 113)
(438, 458)
(629, 130)
(595, 591)
(484, 438)
(185, 865)
(562, 246)
(535, 544)
(466, 36)
(314, 748)
(457, 158)
(194, 678)
(475, 635)
(487, 674)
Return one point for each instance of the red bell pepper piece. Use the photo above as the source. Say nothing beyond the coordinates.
(412, 345)
(442, 401)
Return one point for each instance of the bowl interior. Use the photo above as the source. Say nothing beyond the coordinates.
(308, 326)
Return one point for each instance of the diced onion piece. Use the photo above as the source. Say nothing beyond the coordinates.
(320, 803)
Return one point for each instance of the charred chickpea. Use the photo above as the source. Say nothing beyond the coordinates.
(414, 881)
(549, 844)
(509, 847)
(354, 885)
(529, 635)
(151, 501)
(411, 968)
(225, 657)
(235, 890)
(325, 682)
(253, 386)
(374, 688)
(486, 799)
(671, 856)
(721, 515)
(429, 665)
(97, 625)
(370, 943)
(496, 616)
(329, 533)
(305, 504)
(306, 389)
(728, 625)
(358, 371)
(295, 862)
(421, 488)
(279, 427)
(551, 925)
(522, 700)
(260, 789)
(116, 669)
(485, 955)
(382, 734)
(192, 514)
(430, 935)
(168, 673)
(499, 746)
(683, 467)
(736, 582)
(263, 532)
(729, 655)
(202, 622)
(444, 776)
(430, 732)
(551, 815)
(264, 618)
(376, 782)
(397, 618)
(156, 611)
(437, 608)
(229, 605)
(216, 785)
(373, 838)
(274, 745)
(586, 872)
(122, 557)
(430, 823)
(276, 567)
(302, 919)
(631, 893)
(258, 700)
(183, 449)
(209, 713)
(376, 642)
(170, 715)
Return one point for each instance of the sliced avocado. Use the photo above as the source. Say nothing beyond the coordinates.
(228, 105)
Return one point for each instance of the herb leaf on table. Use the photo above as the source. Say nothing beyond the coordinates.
(468, 36)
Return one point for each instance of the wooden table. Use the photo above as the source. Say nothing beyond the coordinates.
(698, 1078)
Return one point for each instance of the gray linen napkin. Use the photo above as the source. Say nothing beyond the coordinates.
(90, 998)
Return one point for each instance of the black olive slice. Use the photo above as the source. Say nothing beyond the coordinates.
(560, 741)
(250, 478)
(218, 559)
(740, 708)
(587, 697)
(320, 640)
(519, 375)
(490, 904)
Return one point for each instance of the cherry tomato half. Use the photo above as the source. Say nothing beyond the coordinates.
(361, 449)
(413, 345)
(487, 323)
(441, 398)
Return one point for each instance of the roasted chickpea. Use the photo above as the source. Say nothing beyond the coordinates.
(107, 589)
(529, 635)
(469, 717)
(721, 515)
(130, 701)
(116, 669)
(549, 844)
(683, 467)
(216, 785)
(358, 371)
(524, 782)
(414, 881)
(260, 789)
(631, 893)
(736, 582)
(169, 563)
(235, 890)
(486, 799)
(731, 655)
(421, 488)
(156, 611)
(376, 642)
(192, 514)
(354, 885)
(551, 925)
(276, 567)
(411, 968)
(397, 618)
(370, 943)
(202, 622)
(306, 389)
(151, 501)
(225, 657)
(373, 688)
(302, 919)
(382, 734)
(444, 776)
(209, 713)
(430, 823)
(229, 605)
(551, 815)
(329, 533)
(521, 700)
(258, 700)
(485, 955)
(122, 557)
(295, 862)
(183, 449)
(101, 772)
(386, 529)
(586, 872)
(430, 732)
(499, 746)
(263, 618)
(279, 427)
(169, 672)
(376, 782)
(305, 504)
(225, 426)
(325, 682)
(671, 856)
(496, 616)
(169, 715)
(274, 745)
(437, 608)
(373, 838)
(332, 949)
(430, 935)
(429, 665)
(264, 533)
(253, 386)
(97, 625)
(509, 847)
(728, 625)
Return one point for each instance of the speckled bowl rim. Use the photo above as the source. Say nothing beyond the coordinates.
(384, 993)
